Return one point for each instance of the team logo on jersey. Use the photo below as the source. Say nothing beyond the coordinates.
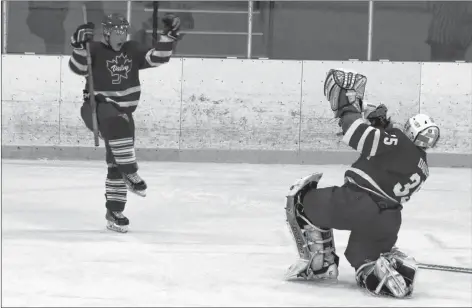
(119, 68)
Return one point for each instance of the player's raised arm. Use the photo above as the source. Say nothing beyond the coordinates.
(78, 60)
(375, 137)
(161, 52)
(345, 92)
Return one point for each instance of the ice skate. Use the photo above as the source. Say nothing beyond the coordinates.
(135, 184)
(116, 221)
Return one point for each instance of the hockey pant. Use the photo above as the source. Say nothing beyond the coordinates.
(374, 230)
(118, 132)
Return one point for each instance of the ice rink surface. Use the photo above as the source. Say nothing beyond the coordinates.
(206, 235)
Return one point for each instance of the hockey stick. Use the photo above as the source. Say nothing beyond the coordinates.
(93, 103)
(155, 12)
(445, 268)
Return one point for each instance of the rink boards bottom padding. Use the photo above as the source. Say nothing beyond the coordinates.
(218, 156)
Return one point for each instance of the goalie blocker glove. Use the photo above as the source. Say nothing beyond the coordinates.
(378, 116)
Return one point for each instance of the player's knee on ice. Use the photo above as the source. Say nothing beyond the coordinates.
(373, 230)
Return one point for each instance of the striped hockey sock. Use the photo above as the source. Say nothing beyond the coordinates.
(124, 154)
(115, 190)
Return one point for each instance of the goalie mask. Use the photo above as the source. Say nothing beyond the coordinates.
(338, 80)
(422, 130)
(115, 30)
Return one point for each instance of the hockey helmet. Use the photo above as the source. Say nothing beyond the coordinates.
(422, 130)
(115, 22)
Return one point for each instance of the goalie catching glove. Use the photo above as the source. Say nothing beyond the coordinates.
(345, 91)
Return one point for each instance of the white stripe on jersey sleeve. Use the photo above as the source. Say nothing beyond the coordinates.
(348, 135)
(80, 67)
(80, 52)
(375, 143)
(360, 144)
(149, 61)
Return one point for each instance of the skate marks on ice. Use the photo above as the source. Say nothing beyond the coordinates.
(207, 235)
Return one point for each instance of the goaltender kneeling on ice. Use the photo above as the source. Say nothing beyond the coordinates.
(391, 167)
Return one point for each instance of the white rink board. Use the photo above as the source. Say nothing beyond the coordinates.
(157, 120)
(72, 130)
(238, 104)
(231, 104)
(31, 78)
(30, 99)
(448, 99)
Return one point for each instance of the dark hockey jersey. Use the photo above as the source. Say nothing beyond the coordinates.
(390, 164)
(116, 73)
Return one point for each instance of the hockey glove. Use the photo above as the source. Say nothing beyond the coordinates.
(82, 35)
(172, 26)
(378, 116)
(344, 90)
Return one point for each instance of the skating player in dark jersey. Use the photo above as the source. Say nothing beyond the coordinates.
(391, 167)
(116, 63)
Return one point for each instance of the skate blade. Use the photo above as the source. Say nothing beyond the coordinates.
(114, 227)
(141, 193)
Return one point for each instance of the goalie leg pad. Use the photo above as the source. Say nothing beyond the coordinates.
(316, 249)
(392, 274)
(294, 197)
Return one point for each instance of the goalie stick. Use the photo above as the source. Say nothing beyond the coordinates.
(93, 103)
(445, 268)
